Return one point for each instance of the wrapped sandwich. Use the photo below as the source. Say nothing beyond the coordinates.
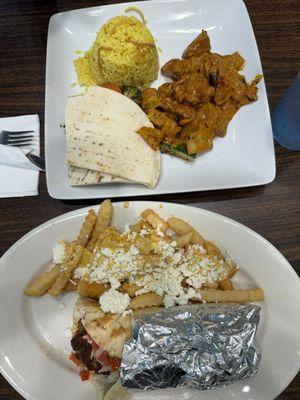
(195, 346)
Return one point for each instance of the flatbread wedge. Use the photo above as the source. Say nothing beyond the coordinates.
(101, 128)
(109, 331)
(83, 177)
(97, 341)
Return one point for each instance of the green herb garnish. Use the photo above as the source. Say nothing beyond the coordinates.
(178, 151)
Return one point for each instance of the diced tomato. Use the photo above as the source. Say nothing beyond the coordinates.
(75, 360)
(115, 364)
(106, 361)
(112, 86)
(84, 375)
(93, 343)
(104, 358)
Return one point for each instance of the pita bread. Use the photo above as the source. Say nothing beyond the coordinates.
(109, 331)
(118, 392)
(101, 128)
(81, 176)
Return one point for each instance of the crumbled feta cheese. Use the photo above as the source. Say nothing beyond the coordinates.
(177, 257)
(127, 312)
(168, 301)
(164, 271)
(59, 252)
(114, 283)
(134, 250)
(106, 252)
(80, 272)
(195, 280)
(114, 302)
(159, 231)
(97, 275)
(131, 236)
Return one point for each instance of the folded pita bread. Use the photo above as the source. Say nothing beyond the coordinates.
(81, 176)
(101, 128)
(109, 331)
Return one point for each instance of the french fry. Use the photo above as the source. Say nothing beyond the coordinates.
(44, 282)
(230, 296)
(146, 300)
(213, 285)
(144, 245)
(93, 290)
(154, 219)
(183, 240)
(212, 249)
(68, 265)
(129, 288)
(96, 234)
(181, 227)
(103, 221)
(86, 258)
(137, 227)
(71, 286)
(233, 269)
(87, 228)
(104, 216)
(226, 284)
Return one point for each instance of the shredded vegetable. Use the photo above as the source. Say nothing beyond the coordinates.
(137, 10)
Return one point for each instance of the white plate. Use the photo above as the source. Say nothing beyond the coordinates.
(245, 157)
(33, 345)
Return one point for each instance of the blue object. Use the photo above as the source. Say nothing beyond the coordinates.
(286, 118)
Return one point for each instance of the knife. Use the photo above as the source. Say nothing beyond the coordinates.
(37, 160)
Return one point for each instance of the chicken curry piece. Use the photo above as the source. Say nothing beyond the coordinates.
(206, 91)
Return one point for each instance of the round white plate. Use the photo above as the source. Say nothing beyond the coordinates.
(34, 348)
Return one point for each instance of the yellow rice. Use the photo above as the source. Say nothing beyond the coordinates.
(123, 52)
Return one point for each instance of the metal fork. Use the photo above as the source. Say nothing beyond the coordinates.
(16, 138)
(22, 139)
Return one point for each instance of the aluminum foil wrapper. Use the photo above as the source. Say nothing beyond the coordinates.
(195, 346)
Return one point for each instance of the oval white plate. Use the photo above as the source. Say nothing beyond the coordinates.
(33, 344)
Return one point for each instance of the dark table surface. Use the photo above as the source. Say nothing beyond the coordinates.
(272, 210)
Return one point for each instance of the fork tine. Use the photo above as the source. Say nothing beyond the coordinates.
(19, 138)
(19, 144)
(17, 132)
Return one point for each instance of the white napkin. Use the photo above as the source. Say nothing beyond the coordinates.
(18, 176)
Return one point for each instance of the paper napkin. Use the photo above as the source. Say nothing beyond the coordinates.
(18, 176)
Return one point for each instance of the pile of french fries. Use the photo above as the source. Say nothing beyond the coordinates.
(60, 277)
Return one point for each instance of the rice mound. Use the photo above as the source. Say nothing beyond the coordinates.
(123, 52)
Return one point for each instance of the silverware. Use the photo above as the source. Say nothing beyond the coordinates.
(36, 160)
(16, 138)
(22, 139)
